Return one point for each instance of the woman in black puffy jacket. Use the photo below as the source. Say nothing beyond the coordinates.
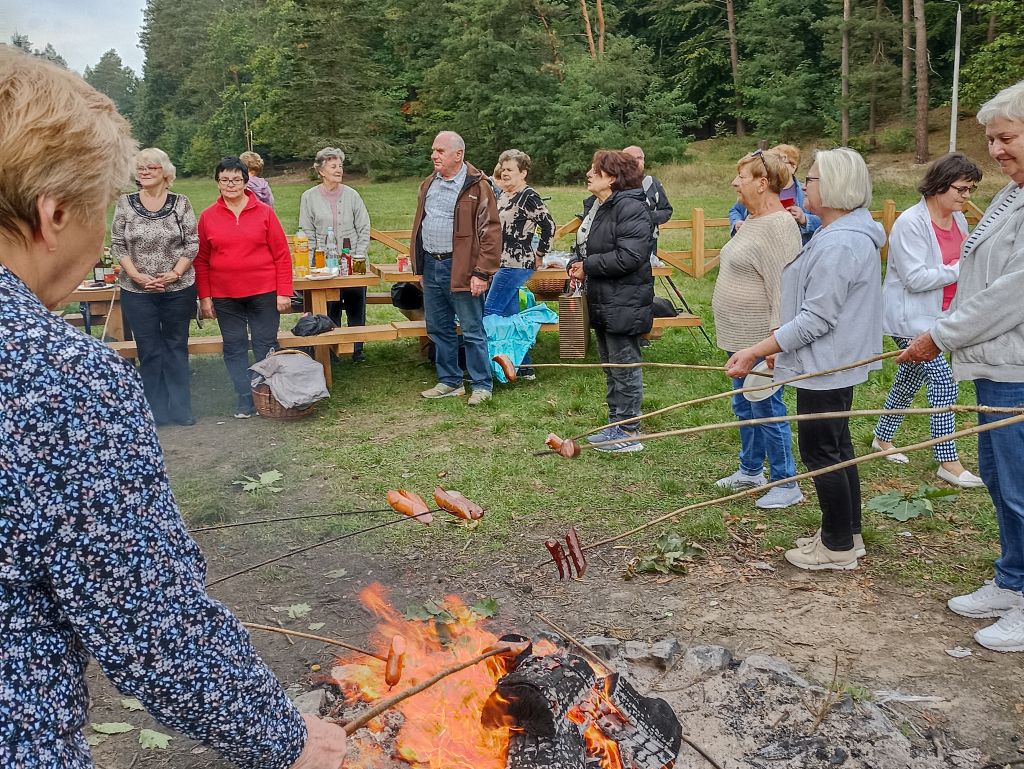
(612, 257)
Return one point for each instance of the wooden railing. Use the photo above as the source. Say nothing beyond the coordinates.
(695, 261)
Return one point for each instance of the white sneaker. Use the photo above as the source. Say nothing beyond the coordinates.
(740, 480)
(897, 458)
(479, 396)
(989, 600)
(966, 479)
(1007, 635)
(814, 556)
(858, 543)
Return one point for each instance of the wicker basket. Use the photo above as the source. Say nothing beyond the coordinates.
(268, 407)
(546, 285)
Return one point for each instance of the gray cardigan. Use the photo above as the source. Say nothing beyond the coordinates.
(984, 327)
(315, 217)
(831, 307)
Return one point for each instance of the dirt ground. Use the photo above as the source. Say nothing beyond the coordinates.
(886, 636)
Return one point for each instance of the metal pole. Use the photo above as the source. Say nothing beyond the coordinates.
(956, 83)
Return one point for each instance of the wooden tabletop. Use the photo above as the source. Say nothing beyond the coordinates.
(389, 274)
(347, 281)
(104, 294)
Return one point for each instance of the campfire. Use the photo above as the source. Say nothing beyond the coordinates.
(542, 707)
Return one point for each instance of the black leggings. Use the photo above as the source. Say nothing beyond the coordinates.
(826, 442)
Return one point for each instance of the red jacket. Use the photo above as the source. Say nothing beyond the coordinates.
(244, 256)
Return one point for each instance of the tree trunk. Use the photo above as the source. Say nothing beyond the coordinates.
(590, 33)
(876, 44)
(844, 106)
(556, 60)
(734, 60)
(600, 27)
(991, 28)
(921, 59)
(905, 92)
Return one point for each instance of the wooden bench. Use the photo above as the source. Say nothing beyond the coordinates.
(383, 297)
(339, 341)
(410, 328)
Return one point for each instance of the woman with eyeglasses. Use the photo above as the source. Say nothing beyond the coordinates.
(791, 196)
(920, 282)
(154, 237)
(831, 315)
(243, 274)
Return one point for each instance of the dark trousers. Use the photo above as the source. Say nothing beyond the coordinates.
(353, 302)
(160, 322)
(624, 387)
(237, 317)
(826, 442)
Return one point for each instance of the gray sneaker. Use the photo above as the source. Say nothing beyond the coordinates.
(600, 437)
(740, 480)
(441, 390)
(627, 443)
(780, 496)
(479, 396)
(858, 543)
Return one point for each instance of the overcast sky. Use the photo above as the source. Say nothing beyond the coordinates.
(80, 30)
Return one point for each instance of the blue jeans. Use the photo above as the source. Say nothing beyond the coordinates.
(503, 295)
(774, 441)
(1001, 459)
(441, 306)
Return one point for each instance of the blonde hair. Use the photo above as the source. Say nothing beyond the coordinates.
(52, 119)
(844, 182)
(789, 152)
(253, 162)
(767, 165)
(158, 156)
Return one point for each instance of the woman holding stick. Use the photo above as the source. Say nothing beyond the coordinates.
(831, 312)
(95, 559)
(746, 307)
(984, 331)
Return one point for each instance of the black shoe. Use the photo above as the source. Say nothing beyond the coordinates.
(185, 422)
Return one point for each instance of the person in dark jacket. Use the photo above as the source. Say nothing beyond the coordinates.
(657, 198)
(612, 258)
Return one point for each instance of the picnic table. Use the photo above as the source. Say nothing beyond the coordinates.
(102, 303)
(389, 273)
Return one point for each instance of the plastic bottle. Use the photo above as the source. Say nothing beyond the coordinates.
(346, 254)
(301, 253)
(331, 249)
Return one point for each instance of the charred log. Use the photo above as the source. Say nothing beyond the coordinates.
(538, 695)
(645, 728)
(563, 751)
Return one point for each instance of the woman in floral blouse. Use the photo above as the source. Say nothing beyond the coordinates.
(95, 559)
(521, 212)
(155, 239)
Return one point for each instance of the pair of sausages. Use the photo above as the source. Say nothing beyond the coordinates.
(408, 503)
(567, 448)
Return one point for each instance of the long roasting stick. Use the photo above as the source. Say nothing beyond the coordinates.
(504, 647)
(311, 637)
(810, 418)
(740, 391)
(643, 364)
(217, 526)
(812, 474)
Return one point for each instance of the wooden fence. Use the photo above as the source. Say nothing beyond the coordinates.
(695, 261)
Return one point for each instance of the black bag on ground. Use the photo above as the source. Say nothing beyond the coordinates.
(663, 308)
(407, 296)
(311, 325)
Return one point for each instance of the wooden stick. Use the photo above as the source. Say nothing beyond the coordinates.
(954, 408)
(311, 637)
(215, 527)
(644, 364)
(812, 474)
(740, 391)
(504, 647)
(578, 644)
(701, 750)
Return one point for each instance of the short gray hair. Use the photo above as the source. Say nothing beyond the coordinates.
(844, 182)
(457, 142)
(1008, 104)
(157, 156)
(328, 153)
(520, 158)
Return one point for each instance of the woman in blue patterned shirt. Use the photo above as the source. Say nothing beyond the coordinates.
(94, 555)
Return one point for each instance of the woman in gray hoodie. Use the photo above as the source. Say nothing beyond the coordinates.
(830, 315)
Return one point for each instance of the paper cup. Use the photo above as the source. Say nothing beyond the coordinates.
(753, 380)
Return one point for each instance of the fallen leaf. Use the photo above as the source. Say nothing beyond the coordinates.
(336, 573)
(112, 727)
(314, 626)
(150, 740)
(95, 739)
(296, 610)
(1019, 707)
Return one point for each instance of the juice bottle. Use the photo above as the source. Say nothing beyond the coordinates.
(301, 253)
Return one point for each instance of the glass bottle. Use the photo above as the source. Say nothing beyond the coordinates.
(346, 254)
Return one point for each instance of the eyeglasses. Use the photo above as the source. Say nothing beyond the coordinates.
(809, 179)
(961, 191)
(149, 169)
(231, 182)
(760, 154)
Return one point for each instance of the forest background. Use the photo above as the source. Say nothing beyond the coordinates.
(556, 78)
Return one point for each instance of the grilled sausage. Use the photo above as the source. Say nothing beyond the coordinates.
(407, 503)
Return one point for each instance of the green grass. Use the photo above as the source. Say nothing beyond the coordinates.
(376, 433)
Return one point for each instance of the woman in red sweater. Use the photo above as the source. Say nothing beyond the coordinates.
(243, 274)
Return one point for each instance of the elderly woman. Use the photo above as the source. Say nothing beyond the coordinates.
(831, 315)
(612, 256)
(746, 307)
(244, 275)
(791, 196)
(257, 185)
(984, 331)
(154, 237)
(95, 559)
(333, 204)
(521, 212)
(920, 282)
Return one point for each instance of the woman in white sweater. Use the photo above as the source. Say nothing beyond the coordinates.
(333, 204)
(746, 308)
(920, 282)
